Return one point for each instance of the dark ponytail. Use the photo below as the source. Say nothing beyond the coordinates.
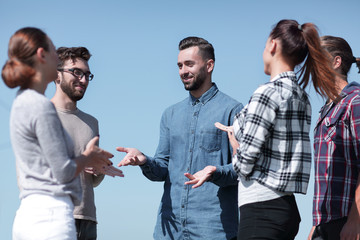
(19, 69)
(300, 42)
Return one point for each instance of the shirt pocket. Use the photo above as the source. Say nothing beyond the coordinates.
(210, 139)
(334, 128)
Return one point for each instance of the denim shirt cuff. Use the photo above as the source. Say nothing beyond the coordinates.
(147, 165)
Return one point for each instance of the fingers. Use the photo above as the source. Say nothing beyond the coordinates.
(122, 149)
(129, 160)
(112, 171)
(199, 183)
(220, 126)
(93, 141)
(107, 154)
(189, 176)
(191, 182)
(223, 127)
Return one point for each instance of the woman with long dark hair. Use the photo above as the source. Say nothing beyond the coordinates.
(270, 136)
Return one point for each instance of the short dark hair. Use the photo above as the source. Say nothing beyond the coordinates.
(206, 50)
(65, 53)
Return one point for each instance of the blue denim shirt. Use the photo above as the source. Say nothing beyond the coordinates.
(189, 141)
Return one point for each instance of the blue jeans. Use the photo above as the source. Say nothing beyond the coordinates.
(276, 219)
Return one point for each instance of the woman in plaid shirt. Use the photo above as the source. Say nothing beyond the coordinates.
(337, 158)
(272, 152)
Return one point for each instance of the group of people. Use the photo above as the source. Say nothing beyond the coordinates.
(229, 171)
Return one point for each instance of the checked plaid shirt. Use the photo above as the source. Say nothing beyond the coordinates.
(273, 134)
(337, 156)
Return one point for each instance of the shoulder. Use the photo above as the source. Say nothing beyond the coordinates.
(32, 101)
(86, 117)
(267, 89)
(178, 106)
(229, 100)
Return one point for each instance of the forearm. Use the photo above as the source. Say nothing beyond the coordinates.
(97, 179)
(155, 169)
(224, 176)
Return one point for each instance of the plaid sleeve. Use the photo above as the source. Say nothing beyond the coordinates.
(355, 126)
(259, 121)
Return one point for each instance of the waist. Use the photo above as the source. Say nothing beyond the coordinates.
(47, 201)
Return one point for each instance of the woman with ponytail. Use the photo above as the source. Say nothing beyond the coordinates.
(336, 206)
(270, 136)
(47, 173)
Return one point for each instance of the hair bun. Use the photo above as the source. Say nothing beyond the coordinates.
(15, 73)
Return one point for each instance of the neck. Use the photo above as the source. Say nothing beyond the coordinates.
(340, 83)
(202, 89)
(61, 100)
(280, 68)
(39, 83)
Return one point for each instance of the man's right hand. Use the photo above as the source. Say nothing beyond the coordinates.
(133, 157)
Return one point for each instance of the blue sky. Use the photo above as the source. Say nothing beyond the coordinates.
(134, 48)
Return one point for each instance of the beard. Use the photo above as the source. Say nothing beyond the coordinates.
(72, 93)
(198, 80)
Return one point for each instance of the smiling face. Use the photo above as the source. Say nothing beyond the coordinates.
(71, 85)
(193, 69)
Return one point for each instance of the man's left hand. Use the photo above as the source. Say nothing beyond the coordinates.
(200, 177)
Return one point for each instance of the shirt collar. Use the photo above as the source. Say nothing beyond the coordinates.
(205, 97)
(349, 89)
(290, 75)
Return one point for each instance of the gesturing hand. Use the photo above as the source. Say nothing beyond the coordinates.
(200, 177)
(230, 131)
(97, 156)
(133, 157)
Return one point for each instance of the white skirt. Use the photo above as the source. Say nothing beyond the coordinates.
(41, 217)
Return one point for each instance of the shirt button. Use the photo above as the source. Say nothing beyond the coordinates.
(182, 206)
(190, 150)
(192, 131)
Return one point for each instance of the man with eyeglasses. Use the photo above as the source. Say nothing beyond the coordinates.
(71, 84)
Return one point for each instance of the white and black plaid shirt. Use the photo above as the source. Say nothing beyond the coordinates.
(273, 133)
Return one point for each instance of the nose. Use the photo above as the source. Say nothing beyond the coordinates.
(83, 79)
(183, 70)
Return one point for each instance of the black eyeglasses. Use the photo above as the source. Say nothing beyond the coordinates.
(78, 73)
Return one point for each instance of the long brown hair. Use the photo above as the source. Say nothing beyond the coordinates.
(18, 70)
(302, 42)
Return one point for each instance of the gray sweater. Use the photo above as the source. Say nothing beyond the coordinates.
(42, 150)
(82, 127)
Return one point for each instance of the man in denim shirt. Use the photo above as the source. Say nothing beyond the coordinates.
(193, 152)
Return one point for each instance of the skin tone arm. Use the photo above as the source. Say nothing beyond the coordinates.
(204, 175)
(351, 229)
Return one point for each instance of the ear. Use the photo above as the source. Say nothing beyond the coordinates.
(273, 46)
(336, 62)
(210, 65)
(57, 80)
(40, 55)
